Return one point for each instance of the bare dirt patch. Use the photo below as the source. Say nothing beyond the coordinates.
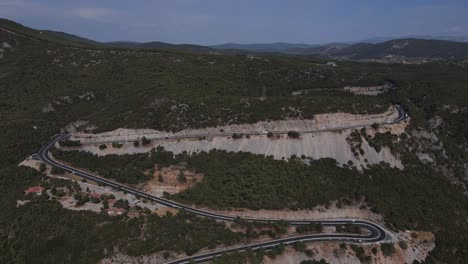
(30, 162)
(147, 259)
(320, 121)
(334, 254)
(371, 90)
(172, 179)
(332, 211)
(165, 210)
(311, 144)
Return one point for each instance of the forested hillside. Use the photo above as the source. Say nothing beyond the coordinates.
(409, 48)
(47, 82)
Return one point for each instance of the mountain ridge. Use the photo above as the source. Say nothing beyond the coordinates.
(425, 49)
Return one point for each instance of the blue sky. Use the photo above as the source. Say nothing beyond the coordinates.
(243, 21)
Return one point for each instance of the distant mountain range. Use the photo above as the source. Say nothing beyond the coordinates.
(377, 40)
(280, 47)
(408, 48)
(381, 48)
(371, 49)
(159, 45)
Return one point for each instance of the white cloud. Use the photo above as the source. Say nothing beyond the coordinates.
(97, 14)
(455, 29)
(8, 3)
(18, 8)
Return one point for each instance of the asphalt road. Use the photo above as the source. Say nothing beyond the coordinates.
(375, 234)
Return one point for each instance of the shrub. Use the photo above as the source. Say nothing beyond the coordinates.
(122, 203)
(360, 253)
(116, 145)
(70, 143)
(387, 249)
(42, 167)
(236, 136)
(403, 244)
(310, 253)
(293, 134)
(299, 246)
(312, 227)
(181, 177)
(145, 141)
(57, 170)
(102, 147)
(276, 251)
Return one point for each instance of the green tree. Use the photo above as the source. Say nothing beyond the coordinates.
(403, 245)
(294, 134)
(181, 177)
(145, 141)
(388, 249)
(42, 167)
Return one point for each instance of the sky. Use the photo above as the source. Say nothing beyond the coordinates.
(208, 22)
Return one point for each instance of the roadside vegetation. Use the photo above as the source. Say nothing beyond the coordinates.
(84, 236)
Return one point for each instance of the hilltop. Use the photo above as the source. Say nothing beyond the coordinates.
(160, 45)
(46, 36)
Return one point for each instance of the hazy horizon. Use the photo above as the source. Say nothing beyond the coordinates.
(212, 22)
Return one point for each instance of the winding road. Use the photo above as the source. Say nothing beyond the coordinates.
(375, 232)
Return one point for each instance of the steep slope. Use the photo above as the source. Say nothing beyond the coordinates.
(45, 35)
(71, 37)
